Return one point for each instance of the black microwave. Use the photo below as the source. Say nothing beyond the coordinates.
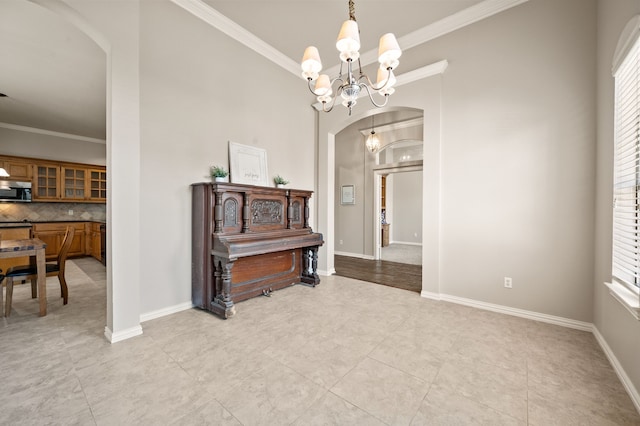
(15, 192)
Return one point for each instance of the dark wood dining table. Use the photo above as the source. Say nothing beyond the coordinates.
(35, 248)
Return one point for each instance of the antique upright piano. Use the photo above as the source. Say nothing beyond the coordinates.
(249, 241)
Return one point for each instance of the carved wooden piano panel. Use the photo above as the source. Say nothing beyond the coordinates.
(248, 241)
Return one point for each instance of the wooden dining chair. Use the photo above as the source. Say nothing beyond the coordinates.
(29, 272)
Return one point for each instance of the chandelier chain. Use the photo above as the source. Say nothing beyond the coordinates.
(352, 11)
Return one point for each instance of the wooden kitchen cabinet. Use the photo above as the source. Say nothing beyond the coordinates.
(46, 183)
(18, 170)
(69, 183)
(52, 233)
(74, 183)
(58, 181)
(94, 240)
(97, 185)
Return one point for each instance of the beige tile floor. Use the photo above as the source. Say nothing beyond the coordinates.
(345, 353)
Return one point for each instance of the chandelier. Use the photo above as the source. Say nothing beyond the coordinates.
(348, 86)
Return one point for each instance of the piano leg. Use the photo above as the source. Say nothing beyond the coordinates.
(222, 304)
(310, 266)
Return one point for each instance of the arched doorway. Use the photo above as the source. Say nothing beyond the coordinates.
(358, 220)
(424, 94)
(123, 152)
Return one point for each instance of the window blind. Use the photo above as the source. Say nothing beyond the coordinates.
(626, 184)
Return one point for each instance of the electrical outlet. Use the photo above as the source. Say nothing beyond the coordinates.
(70, 212)
(508, 282)
(340, 242)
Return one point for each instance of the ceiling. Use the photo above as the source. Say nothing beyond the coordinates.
(55, 79)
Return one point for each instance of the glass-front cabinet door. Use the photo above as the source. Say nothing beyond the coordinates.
(98, 185)
(74, 182)
(46, 183)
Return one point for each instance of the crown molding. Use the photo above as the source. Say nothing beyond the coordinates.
(456, 21)
(51, 133)
(439, 28)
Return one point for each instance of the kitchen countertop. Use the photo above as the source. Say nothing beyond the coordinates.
(28, 224)
(5, 225)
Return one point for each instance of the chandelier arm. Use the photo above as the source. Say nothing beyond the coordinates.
(373, 86)
(386, 96)
(309, 81)
(309, 85)
(333, 102)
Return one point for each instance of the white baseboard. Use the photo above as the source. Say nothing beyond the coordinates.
(622, 375)
(165, 311)
(565, 322)
(406, 243)
(356, 255)
(324, 273)
(551, 319)
(122, 335)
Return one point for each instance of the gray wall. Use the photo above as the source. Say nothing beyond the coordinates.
(509, 171)
(354, 166)
(199, 90)
(517, 158)
(618, 328)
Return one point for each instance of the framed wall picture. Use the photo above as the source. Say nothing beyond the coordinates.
(348, 194)
(248, 164)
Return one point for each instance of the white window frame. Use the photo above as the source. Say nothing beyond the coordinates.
(625, 274)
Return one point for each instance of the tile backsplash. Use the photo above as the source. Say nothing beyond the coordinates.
(13, 212)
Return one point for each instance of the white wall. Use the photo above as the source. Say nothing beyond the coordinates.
(618, 328)
(199, 90)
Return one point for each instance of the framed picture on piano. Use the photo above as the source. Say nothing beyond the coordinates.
(248, 164)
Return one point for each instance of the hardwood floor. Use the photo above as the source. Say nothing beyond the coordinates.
(392, 274)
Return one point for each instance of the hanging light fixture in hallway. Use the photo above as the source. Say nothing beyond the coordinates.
(372, 142)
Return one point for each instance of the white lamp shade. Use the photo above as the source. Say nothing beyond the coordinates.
(348, 38)
(323, 86)
(3, 173)
(389, 51)
(383, 74)
(311, 64)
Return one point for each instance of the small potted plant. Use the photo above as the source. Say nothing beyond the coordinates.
(218, 173)
(280, 181)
